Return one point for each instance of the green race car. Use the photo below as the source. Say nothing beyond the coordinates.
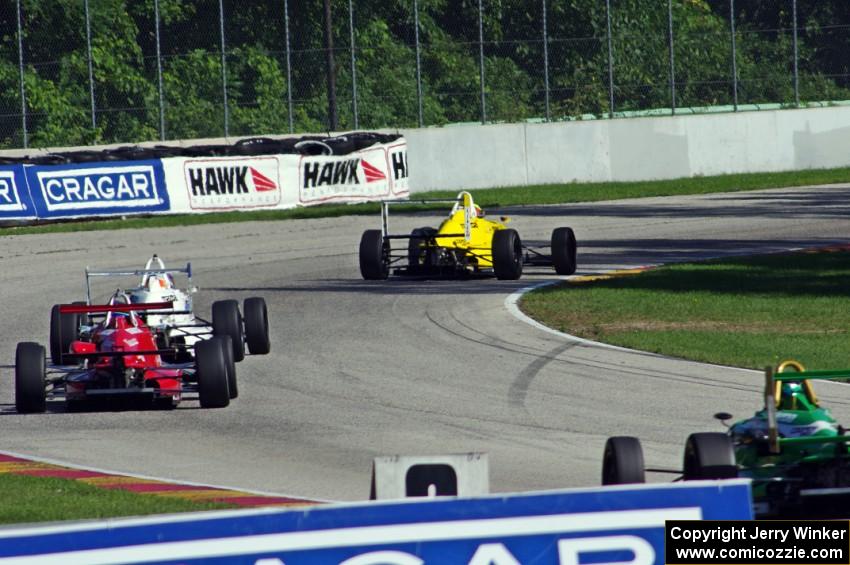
(793, 450)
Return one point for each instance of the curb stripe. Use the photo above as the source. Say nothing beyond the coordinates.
(16, 465)
(151, 487)
(58, 473)
(109, 480)
(204, 495)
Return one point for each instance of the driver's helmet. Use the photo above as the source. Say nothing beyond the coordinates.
(795, 396)
(479, 213)
(155, 289)
(161, 281)
(120, 319)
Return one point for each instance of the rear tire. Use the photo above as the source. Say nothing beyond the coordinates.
(226, 320)
(622, 461)
(564, 251)
(212, 373)
(82, 319)
(507, 255)
(709, 455)
(30, 369)
(417, 257)
(63, 330)
(374, 256)
(256, 325)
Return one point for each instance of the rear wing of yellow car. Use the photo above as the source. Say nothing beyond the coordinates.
(463, 199)
(793, 371)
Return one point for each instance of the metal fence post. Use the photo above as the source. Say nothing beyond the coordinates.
(21, 70)
(610, 62)
(481, 61)
(418, 61)
(672, 57)
(546, 62)
(223, 69)
(159, 72)
(734, 55)
(796, 55)
(353, 64)
(91, 72)
(288, 66)
(333, 121)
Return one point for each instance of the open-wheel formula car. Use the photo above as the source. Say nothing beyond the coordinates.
(179, 328)
(117, 358)
(465, 242)
(793, 450)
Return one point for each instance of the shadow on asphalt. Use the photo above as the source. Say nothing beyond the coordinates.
(59, 407)
(618, 252)
(663, 251)
(824, 204)
(397, 286)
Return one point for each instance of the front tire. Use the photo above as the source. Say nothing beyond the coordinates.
(622, 461)
(507, 255)
(374, 256)
(564, 251)
(30, 369)
(212, 373)
(709, 455)
(256, 325)
(226, 320)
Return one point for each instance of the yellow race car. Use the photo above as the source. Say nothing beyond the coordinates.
(465, 243)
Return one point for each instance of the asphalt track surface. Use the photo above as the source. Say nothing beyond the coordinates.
(360, 369)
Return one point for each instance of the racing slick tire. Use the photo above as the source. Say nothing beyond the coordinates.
(226, 320)
(256, 325)
(30, 359)
(564, 251)
(374, 256)
(622, 461)
(230, 366)
(212, 373)
(507, 255)
(418, 258)
(82, 319)
(63, 330)
(709, 455)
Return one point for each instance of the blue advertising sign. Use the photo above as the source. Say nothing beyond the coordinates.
(88, 189)
(602, 525)
(15, 201)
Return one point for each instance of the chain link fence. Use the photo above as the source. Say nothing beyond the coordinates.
(76, 72)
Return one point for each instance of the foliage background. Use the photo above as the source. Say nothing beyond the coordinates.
(127, 106)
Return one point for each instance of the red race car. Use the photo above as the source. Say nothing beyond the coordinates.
(117, 359)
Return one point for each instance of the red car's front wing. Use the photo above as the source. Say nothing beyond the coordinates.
(158, 384)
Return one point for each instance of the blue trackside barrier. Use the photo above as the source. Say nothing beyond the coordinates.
(15, 200)
(254, 173)
(612, 524)
(97, 189)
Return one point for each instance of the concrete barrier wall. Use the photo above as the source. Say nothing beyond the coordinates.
(475, 156)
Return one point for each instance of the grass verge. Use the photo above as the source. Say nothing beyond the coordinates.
(746, 312)
(491, 198)
(39, 499)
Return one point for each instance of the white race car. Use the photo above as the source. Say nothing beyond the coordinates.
(179, 328)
